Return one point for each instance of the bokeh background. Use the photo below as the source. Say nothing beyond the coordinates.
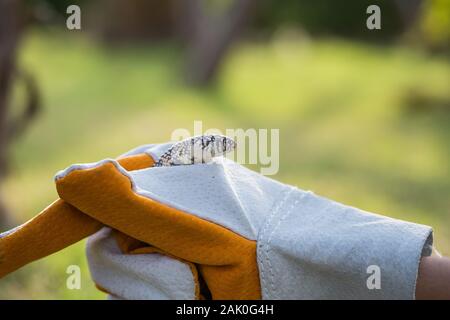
(364, 115)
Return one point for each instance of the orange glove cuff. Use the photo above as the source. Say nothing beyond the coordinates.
(56, 227)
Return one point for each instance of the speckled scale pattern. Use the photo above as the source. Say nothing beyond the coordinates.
(199, 149)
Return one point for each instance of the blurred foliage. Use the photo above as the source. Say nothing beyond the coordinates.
(435, 24)
(59, 6)
(350, 129)
(428, 27)
(344, 18)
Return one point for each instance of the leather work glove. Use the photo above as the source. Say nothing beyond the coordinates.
(128, 269)
(221, 229)
(56, 227)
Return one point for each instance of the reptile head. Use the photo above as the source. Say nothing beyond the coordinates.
(222, 144)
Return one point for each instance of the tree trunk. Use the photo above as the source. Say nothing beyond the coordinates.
(209, 37)
(10, 31)
(409, 11)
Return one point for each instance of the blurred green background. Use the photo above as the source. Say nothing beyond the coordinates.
(364, 117)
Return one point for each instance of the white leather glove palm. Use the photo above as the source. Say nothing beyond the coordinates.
(307, 246)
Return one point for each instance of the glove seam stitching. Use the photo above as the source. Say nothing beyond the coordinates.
(262, 243)
(271, 273)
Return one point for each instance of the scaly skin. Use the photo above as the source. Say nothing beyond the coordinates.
(199, 149)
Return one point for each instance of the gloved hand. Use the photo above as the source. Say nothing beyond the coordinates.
(248, 236)
(129, 269)
(56, 227)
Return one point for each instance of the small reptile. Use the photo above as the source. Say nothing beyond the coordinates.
(198, 149)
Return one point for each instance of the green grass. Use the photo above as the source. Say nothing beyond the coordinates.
(349, 125)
